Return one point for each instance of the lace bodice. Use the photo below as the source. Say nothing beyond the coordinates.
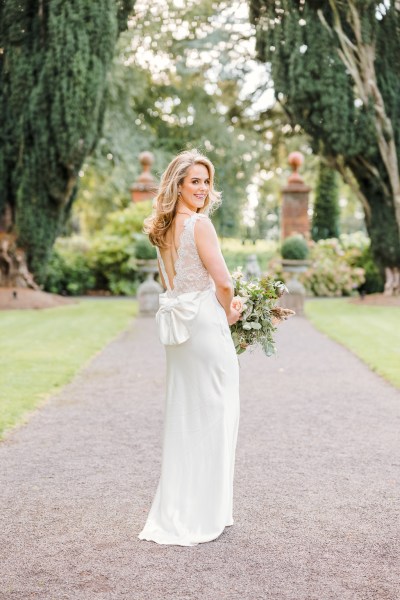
(190, 273)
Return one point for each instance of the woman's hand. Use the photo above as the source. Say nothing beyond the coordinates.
(236, 310)
(233, 316)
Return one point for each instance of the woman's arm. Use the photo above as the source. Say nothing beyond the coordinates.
(211, 256)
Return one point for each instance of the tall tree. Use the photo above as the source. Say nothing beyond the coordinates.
(54, 59)
(325, 221)
(335, 67)
(177, 82)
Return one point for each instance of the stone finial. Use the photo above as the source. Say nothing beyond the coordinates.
(295, 160)
(145, 187)
(146, 160)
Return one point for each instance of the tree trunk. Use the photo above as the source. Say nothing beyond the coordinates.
(13, 268)
(359, 58)
(381, 226)
(392, 281)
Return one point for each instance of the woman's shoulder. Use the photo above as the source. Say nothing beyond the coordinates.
(203, 220)
(204, 227)
(201, 217)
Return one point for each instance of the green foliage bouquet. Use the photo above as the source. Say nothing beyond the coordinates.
(257, 301)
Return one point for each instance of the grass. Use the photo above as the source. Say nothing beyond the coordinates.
(41, 350)
(371, 332)
(236, 253)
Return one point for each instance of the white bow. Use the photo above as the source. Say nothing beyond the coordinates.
(175, 315)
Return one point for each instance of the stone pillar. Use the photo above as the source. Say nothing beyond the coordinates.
(295, 201)
(145, 187)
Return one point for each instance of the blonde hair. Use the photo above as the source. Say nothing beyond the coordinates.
(157, 225)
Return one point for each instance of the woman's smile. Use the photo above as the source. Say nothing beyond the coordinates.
(195, 187)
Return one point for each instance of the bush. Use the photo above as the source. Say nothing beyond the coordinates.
(294, 247)
(128, 221)
(69, 271)
(113, 250)
(114, 264)
(144, 249)
(358, 251)
(332, 272)
(108, 261)
(374, 280)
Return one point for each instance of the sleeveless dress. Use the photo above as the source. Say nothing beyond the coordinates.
(193, 500)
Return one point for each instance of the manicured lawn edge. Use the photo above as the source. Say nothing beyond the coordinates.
(43, 350)
(372, 333)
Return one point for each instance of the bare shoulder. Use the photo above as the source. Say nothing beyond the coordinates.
(204, 231)
(203, 225)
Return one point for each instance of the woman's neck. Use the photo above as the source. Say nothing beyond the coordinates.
(182, 208)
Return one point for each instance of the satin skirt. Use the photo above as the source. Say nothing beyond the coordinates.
(193, 502)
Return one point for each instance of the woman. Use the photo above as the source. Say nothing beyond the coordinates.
(193, 501)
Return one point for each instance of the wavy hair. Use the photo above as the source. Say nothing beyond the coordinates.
(157, 224)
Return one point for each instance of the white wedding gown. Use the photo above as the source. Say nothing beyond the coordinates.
(193, 500)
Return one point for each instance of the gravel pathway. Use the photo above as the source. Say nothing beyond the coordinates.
(316, 484)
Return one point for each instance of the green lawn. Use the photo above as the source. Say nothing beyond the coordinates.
(371, 332)
(41, 350)
(236, 253)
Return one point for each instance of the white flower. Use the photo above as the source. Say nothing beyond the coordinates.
(238, 273)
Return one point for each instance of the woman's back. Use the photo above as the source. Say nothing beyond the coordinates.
(181, 267)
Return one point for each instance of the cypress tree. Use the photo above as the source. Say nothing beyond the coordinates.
(335, 67)
(325, 221)
(54, 59)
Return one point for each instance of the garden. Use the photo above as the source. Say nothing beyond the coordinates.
(296, 104)
(76, 232)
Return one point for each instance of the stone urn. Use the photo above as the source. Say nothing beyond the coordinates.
(149, 290)
(252, 268)
(295, 298)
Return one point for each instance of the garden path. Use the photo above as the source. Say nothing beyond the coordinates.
(316, 502)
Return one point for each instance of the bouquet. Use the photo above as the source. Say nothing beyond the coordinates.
(257, 301)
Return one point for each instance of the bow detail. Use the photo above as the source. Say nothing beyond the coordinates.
(175, 315)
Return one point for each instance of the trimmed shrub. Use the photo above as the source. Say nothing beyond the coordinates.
(294, 247)
(325, 221)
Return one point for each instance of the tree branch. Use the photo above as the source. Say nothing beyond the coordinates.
(359, 59)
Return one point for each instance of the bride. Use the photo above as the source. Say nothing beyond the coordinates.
(193, 500)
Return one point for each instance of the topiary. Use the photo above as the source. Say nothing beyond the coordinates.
(294, 247)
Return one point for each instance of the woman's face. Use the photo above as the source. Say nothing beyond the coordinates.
(195, 187)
